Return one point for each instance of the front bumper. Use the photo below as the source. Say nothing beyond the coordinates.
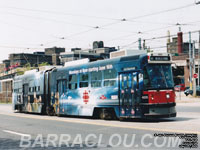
(169, 115)
(164, 110)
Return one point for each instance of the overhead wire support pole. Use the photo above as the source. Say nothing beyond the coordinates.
(198, 60)
(194, 69)
(190, 60)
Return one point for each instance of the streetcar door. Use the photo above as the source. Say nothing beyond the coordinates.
(128, 87)
(25, 95)
(61, 88)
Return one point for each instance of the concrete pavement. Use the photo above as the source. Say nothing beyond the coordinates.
(13, 125)
(182, 98)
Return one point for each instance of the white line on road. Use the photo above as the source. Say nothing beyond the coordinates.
(17, 133)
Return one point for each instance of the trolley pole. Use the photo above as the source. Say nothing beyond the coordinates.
(190, 60)
(140, 44)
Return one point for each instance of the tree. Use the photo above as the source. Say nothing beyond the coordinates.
(44, 64)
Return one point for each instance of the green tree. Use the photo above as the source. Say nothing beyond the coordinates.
(44, 64)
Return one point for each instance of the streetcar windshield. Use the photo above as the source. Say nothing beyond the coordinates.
(158, 76)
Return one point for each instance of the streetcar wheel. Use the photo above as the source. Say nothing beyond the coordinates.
(50, 111)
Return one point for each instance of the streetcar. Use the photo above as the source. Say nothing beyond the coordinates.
(131, 84)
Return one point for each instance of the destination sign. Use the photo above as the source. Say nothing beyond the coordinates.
(160, 58)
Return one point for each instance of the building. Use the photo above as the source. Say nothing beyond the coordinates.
(54, 50)
(55, 53)
(6, 90)
(53, 56)
(98, 52)
(78, 54)
(2, 68)
(180, 57)
(177, 46)
(21, 59)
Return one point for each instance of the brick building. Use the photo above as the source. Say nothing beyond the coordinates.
(6, 90)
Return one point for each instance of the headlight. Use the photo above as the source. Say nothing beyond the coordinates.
(167, 96)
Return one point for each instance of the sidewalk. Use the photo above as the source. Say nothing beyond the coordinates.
(181, 98)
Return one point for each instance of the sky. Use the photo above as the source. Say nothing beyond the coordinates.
(27, 26)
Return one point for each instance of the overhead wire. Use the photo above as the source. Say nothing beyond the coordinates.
(61, 13)
(163, 11)
(48, 19)
(27, 29)
(98, 27)
(161, 37)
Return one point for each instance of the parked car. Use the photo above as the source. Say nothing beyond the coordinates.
(190, 92)
(179, 87)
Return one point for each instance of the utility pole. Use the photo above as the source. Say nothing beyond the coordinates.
(198, 61)
(190, 60)
(194, 70)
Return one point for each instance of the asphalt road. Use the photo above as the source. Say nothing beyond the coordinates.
(30, 131)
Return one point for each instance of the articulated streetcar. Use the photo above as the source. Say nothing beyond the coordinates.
(131, 84)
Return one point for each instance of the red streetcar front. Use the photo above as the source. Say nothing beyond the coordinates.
(158, 99)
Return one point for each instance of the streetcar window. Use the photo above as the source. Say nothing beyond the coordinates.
(30, 89)
(72, 86)
(109, 83)
(16, 90)
(83, 77)
(158, 76)
(96, 76)
(96, 84)
(65, 85)
(73, 78)
(37, 88)
(83, 80)
(62, 87)
(110, 74)
(83, 84)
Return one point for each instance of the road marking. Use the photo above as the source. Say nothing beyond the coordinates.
(103, 124)
(16, 133)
